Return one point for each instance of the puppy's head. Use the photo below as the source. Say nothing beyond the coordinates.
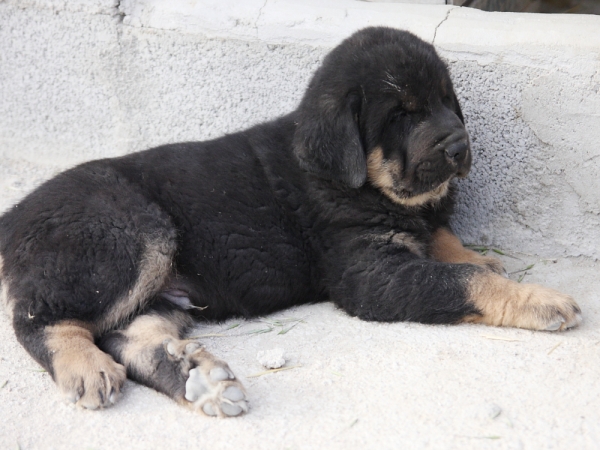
(382, 108)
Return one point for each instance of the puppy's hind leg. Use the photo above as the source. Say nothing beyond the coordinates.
(57, 326)
(155, 354)
(83, 373)
(80, 257)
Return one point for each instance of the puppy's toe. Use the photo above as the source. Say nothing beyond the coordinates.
(94, 384)
(555, 326)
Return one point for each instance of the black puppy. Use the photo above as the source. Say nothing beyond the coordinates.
(346, 199)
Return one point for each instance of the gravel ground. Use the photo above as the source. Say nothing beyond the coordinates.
(350, 384)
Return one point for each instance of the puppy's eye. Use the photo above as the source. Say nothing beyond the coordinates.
(398, 115)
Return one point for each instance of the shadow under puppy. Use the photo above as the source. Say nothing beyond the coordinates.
(346, 199)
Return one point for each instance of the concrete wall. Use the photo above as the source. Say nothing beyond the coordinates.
(82, 79)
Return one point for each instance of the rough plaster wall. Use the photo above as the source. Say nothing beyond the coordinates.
(535, 179)
(55, 86)
(77, 84)
(182, 87)
(58, 84)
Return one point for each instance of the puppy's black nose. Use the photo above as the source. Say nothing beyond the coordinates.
(456, 151)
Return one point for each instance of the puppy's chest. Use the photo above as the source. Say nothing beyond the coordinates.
(405, 229)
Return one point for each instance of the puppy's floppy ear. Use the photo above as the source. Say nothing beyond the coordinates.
(327, 140)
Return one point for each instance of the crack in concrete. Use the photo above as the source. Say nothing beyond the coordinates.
(119, 15)
(258, 17)
(440, 24)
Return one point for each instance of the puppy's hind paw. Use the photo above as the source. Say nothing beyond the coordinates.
(84, 374)
(95, 383)
(211, 386)
(216, 393)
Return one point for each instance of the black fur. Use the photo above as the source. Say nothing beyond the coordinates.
(281, 214)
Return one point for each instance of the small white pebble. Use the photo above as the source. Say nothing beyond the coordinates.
(488, 411)
(271, 359)
(493, 410)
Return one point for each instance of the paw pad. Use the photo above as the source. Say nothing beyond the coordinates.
(211, 386)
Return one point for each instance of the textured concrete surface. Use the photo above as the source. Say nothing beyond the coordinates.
(353, 385)
(84, 79)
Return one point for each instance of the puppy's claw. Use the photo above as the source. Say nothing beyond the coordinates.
(575, 322)
(555, 326)
(73, 398)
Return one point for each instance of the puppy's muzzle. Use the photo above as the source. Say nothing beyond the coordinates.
(457, 152)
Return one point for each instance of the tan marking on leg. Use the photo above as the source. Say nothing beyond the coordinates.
(504, 302)
(195, 378)
(446, 247)
(381, 172)
(145, 334)
(84, 373)
(155, 267)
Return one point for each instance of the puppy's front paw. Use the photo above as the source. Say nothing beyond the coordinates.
(502, 302)
(545, 309)
(211, 386)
